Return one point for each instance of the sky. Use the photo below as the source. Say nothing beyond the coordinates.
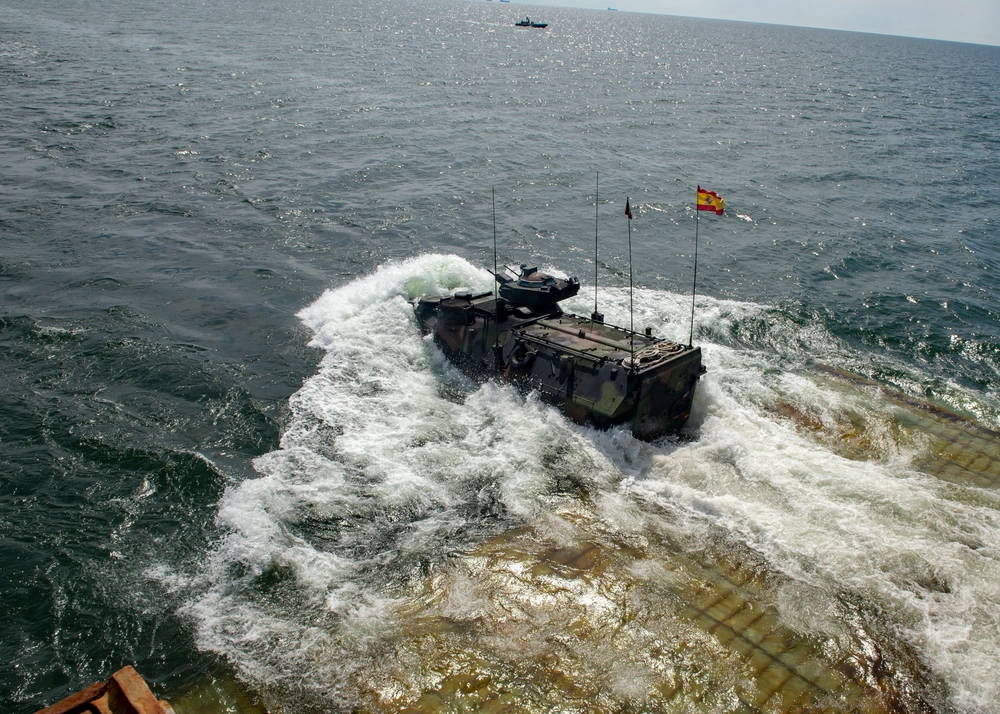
(957, 20)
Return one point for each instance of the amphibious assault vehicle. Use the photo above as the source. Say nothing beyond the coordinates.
(595, 372)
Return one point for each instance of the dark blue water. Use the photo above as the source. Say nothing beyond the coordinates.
(180, 180)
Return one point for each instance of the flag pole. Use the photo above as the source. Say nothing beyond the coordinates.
(704, 200)
(694, 282)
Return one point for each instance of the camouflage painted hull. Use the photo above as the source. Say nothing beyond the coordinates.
(594, 372)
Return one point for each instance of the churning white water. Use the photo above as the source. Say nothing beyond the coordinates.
(394, 465)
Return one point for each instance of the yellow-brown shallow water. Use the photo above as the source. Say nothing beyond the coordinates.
(594, 623)
(576, 615)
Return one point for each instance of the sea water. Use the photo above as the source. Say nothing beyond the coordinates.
(231, 458)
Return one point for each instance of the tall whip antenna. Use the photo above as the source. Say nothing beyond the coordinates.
(496, 283)
(493, 190)
(597, 188)
(631, 322)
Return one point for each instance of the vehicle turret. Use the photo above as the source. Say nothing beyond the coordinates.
(532, 288)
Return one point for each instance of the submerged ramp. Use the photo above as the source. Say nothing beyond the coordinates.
(592, 621)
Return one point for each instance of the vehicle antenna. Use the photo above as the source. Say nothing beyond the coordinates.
(494, 201)
(631, 322)
(496, 283)
(597, 189)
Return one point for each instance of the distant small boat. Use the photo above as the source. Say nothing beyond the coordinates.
(526, 22)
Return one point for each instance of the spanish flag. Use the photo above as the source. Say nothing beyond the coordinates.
(710, 201)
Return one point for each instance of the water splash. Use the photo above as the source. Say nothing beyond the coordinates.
(417, 534)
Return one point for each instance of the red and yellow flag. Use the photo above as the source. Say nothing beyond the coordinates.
(710, 201)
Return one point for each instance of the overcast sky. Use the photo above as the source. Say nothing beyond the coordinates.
(958, 20)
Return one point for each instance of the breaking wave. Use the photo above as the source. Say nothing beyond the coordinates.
(393, 464)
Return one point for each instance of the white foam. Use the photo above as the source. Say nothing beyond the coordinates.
(879, 529)
(392, 460)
